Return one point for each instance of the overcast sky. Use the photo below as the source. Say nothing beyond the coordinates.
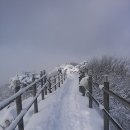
(38, 34)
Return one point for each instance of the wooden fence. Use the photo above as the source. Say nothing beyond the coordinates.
(105, 107)
(47, 84)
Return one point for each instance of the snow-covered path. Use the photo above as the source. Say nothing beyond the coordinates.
(65, 109)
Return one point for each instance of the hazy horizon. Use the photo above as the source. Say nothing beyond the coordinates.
(42, 34)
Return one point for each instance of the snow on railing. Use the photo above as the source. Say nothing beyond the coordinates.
(47, 84)
(7, 101)
(105, 106)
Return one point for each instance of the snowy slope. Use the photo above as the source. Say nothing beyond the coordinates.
(65, 109)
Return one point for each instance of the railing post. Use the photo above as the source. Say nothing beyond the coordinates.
(106, 103)
(55, 81)
(42, 93)
(34, 94)
(87, 71)
(45, 79)
(19, 104)
(90, 90)
(59, 79)
(64, 76)
(50, 86)
(46, 90)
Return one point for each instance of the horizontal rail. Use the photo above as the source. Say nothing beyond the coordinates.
(106, 104)
(7, 101)
(21, 112)
(117, 125)
(97, 103)
(56, 76)
(122, 100)
(57, 83)
(24, 111)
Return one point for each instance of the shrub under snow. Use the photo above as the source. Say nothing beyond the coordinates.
(118, 70)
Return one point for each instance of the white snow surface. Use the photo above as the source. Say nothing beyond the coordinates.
(84, 81)
(66, 109)
(101, 86)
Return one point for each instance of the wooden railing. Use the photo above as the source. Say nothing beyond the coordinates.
(47, 84)
(105, 107)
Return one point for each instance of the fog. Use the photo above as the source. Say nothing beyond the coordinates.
(42, 34)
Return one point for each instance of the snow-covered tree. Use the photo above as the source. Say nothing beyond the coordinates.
(118, 70)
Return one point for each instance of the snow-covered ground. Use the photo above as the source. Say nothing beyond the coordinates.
(65, 109)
